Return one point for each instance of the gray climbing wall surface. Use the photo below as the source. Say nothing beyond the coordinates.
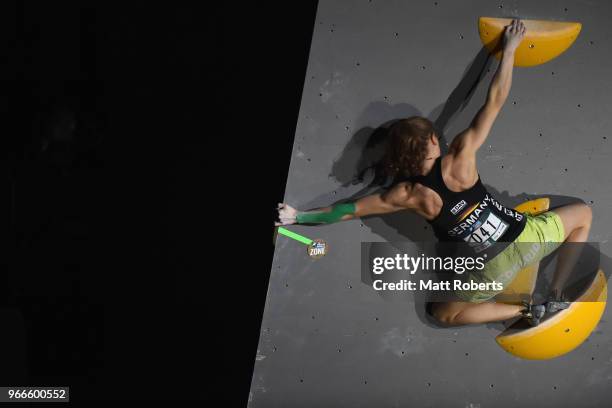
(329, 340)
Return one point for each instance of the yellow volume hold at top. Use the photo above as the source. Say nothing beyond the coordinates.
(544, 40)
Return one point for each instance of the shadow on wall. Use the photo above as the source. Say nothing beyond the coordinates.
(358, 168)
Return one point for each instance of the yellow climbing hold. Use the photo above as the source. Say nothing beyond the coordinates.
(534, 207)
(562, 332)
(544, 40)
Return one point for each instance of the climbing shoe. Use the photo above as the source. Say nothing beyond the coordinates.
(533, 314)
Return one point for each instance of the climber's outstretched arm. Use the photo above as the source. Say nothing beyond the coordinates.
(470, 140)
(395, 199)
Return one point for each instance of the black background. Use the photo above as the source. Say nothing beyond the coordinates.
(266, 52)
(140, 266)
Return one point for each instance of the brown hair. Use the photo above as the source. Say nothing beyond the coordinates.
(407, 148)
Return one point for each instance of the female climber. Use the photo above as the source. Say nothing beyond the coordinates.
(447, 191)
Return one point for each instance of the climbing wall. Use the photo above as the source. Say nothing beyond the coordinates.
(329, 340)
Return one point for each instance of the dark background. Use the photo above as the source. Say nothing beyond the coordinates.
(265, 53)
(119, 237)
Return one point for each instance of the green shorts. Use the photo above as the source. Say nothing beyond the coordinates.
(542, 235)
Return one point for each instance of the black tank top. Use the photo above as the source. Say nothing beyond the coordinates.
(471, 216)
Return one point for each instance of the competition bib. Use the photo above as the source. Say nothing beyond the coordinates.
(485, 232)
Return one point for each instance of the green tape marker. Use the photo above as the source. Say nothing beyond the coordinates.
(295, 236)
